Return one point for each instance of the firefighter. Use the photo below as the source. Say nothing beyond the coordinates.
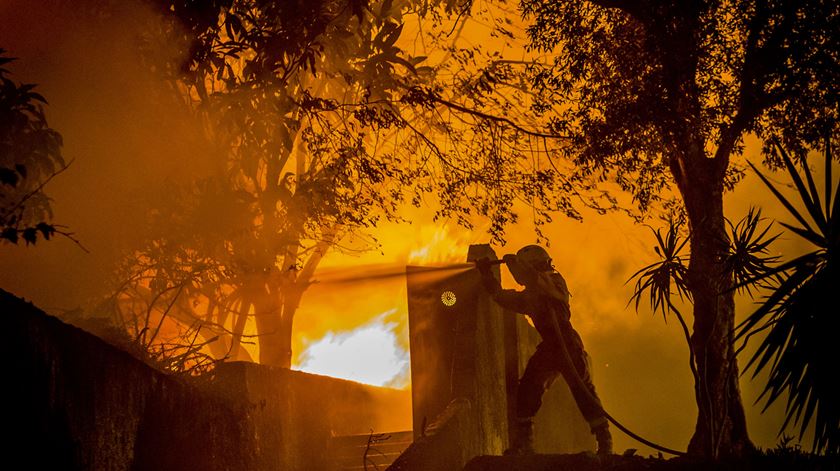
(546, 300)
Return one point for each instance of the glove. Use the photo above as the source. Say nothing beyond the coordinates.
(491, 284)
(483, 265)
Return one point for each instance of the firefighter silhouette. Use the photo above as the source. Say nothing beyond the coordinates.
(560, 353)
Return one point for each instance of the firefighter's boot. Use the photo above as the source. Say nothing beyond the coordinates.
(604, 439)
(522, 441)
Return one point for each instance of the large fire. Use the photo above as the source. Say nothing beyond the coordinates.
(340, 338)
(369, 354)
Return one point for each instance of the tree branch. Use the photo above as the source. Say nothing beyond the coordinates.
(497, 119)
(633, 8)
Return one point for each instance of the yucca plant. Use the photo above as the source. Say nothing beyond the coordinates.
(658, 278)
(665, 278)
(800, 315)
(749, 247)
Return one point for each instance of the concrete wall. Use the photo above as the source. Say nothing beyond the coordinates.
(73, 402)
(439, 447)
(296, 414)
(458, 353)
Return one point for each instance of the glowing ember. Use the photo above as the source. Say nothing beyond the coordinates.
(369, 354)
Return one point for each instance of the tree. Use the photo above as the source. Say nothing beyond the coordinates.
(286, 91)
(655, 97)
(660, 93)
(30, 156)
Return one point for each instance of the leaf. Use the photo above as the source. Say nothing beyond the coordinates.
(8, 176)
(30, 235)
(805, 196)
(399, 60)
(811, 236)
(781, 198)
(10, 234)
(47, 230)
(393, 36)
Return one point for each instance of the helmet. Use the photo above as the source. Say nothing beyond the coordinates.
(531, 267)
(528, 263)
(534, 257)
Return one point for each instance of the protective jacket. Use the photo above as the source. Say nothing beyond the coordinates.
(549, 297)
(546, 299)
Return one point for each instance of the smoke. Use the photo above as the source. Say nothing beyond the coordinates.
(128, 140)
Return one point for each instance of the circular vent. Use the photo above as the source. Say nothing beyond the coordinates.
(448, 298)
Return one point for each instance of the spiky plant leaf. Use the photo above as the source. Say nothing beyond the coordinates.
(801, 316)
(748, 258)
(667, 277)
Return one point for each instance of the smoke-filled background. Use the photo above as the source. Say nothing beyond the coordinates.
(126, 149)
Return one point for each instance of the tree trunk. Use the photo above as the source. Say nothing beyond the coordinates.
(721, 428)
(269, 319)
(274, 324)
(237, 351)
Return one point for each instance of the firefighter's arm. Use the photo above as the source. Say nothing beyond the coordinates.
(507, 298)
(516, 301)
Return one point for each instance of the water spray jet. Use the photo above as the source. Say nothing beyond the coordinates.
(441, 272)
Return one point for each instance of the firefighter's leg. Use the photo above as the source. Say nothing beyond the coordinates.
(540, 372)
(588, 401)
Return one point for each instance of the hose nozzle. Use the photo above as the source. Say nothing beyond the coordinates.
(486, 262)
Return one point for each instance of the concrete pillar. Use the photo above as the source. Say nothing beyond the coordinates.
(457, 353)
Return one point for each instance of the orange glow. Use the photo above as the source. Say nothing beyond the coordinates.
(369, 354)
(440, 245)
(336, 331)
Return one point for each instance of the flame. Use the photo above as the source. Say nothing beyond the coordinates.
(369, 354)
(440, 246)
(336, 335)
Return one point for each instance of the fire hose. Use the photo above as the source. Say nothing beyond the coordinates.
(566, 358)
(567, 364)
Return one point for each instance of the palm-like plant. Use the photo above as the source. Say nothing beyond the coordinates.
(749, 246)
(746, 261)
(665, 278)
(658, 278)
(800, 314)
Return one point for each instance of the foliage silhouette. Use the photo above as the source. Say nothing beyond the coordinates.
(30, 156)
(801, 326)
(294, 96)
(749, 258)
